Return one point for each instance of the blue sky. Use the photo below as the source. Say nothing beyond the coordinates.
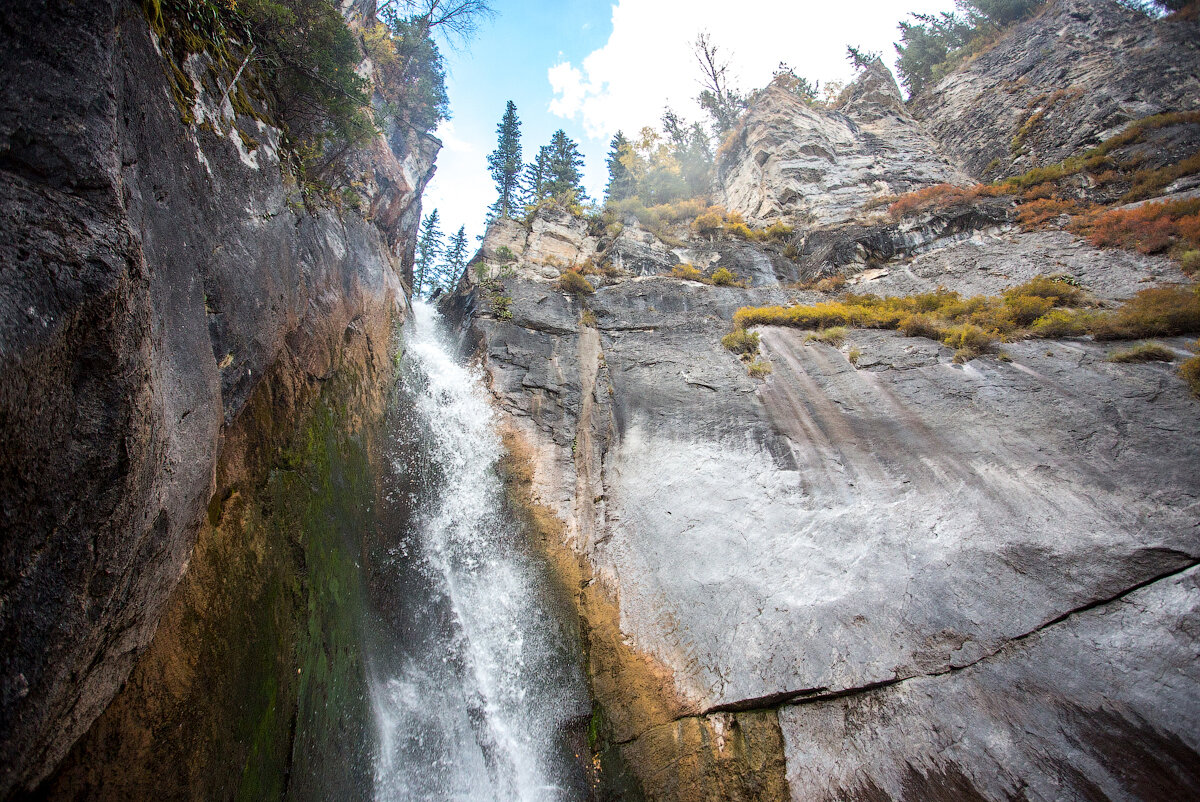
(592, 67)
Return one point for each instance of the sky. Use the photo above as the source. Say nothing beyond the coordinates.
(592, 67)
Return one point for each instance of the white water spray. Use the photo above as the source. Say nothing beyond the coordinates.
(477, 684)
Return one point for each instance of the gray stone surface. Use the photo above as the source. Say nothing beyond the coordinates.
(989, 263)
(1101, 705)
(835, 537)
(1109, 64)
(815, 166)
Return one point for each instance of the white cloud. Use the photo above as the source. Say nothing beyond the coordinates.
(451, 141)
(648, 63)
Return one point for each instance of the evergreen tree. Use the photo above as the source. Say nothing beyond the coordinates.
(456, 259)
(563, 163)
(429, 248)
(505, 164)
(537, 175)
(621, 183)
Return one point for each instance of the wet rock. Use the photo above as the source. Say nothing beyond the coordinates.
(155, 275)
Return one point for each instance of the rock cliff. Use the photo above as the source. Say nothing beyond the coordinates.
(876, 572)
(175, 321)
(1059, 82)
(807, 165)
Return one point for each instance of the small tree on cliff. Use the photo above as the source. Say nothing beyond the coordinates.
(621, 183)
(563, 168)
(722, 102)
(429, 248)
(536, 177)
(456, 259)
(505, 164)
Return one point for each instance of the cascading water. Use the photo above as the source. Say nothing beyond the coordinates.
(475, 674)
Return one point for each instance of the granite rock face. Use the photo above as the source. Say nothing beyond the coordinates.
(155, 273)
(1063, 80)
(816, 167)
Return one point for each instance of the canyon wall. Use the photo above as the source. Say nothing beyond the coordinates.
(875, 572)
(195, 361)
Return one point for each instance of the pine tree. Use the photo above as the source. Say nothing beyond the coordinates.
(621, 183)
(537, 174)
(505, 164)
(429, 248)
(563, 166)
(456, 259)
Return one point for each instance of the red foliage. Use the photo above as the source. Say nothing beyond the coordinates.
(1150, 228)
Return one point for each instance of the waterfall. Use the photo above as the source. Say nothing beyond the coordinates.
(474, 673)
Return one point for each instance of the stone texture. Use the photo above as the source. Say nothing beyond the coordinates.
(1109, 65)
(1108, 693)
(791, 544)
(155, 273)
(814, 167)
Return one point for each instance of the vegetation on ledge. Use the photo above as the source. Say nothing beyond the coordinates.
(1043, 307)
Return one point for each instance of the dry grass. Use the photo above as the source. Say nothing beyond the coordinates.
(834, 336)
(572, 282)
(740, 341)
(1145, 352)
(1190, 371)
(1043, 307)
(759, 368)
(938, 196)
(1154, 312)
(1149, 228)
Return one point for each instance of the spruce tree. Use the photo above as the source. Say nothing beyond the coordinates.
(537, 175)
(429, 248)
(621, 183)
(563, 165)
(456, 259)
(505, 164)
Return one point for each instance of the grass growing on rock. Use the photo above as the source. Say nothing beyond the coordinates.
(1046, 306)
(1190, 371)
(740, 341)
(572, 282)
(1145, 352)
(834, 336)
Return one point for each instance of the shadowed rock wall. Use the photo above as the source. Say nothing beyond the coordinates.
(158, 277)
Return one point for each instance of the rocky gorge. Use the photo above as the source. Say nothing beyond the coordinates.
(854, 562)
(874, 573)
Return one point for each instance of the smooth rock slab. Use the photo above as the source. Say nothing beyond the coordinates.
(836, 528)
(1107, 697)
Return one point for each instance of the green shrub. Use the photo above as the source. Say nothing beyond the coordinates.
(725, 278)
(1146, 352)
(504, 255)
(572, 282)
(854, 355)
(1060, 323)
(502, 307)
(740, 341)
